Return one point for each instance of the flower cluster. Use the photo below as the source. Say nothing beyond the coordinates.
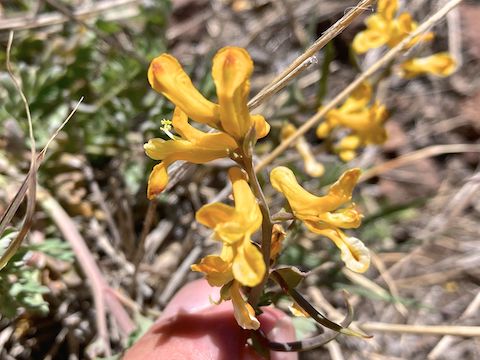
(231, 71)
(364, 120)
(242, 263)
(386, 28)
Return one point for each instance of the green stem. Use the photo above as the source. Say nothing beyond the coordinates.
(325, 72)
(267, 226)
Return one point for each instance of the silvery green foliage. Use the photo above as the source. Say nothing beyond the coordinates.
(20, 284)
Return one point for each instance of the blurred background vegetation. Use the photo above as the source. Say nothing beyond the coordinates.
(420, 219)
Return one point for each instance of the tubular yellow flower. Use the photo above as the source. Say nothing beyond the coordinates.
(234, 227)
(365, 122)
(441, 64)
(231, 72)
(240, 262)
(311, 165)
(193, 145)
(323, 215)
(167, 76)
(384, 29)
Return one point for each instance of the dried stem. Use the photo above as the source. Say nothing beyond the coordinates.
(466, 331)
(384, 60)
(427, 152)
(302, 62)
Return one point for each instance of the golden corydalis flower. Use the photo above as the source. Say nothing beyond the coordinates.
(240, 260)
(366, 122)
(383, 28)
(192, 145)
(441, 64)
(326, 215)
(231, 71)
(312, 167)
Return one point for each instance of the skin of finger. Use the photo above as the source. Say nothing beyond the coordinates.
(192, 328)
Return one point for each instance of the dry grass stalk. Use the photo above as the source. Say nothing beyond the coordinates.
(427, 152)
(392, 286)
(305, 59)
(467, 331)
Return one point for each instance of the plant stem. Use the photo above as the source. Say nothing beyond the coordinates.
(267, 226)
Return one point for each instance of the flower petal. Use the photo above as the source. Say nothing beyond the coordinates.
(354, 253)
(348, 218)
(307, 206)
(159, 149)
(158, 180)
(248, 265)
(211, 215)
(218, 271)
(376, 35)
(359, 98)
(342, 189)
(441, 64)
(232, 68)
(387, 8)
(301, 201)
(242, 310)
(166, 76)
(214, 141)
(245, 202)
(324, 129)
(262, 127)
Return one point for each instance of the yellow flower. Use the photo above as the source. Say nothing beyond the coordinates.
(231, 72)
(312, 166)
(232, 68)
(193, 145)
(325, 215)
(240, 262)
(365, 122)
(441, 64)
(384, 29)
(240, 258)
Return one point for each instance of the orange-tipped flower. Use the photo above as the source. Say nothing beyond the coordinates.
(325, 215)
(232, 68)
